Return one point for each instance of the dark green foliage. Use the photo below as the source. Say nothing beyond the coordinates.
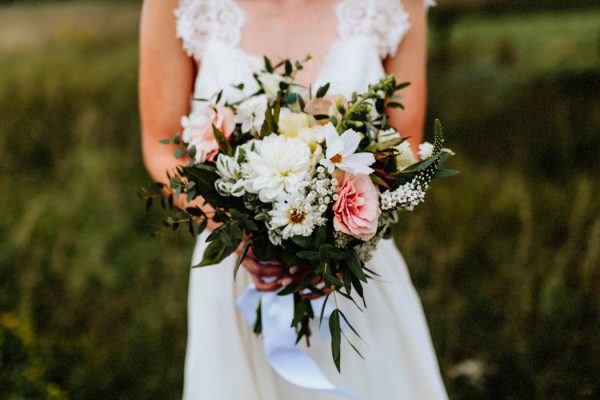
(512, 283)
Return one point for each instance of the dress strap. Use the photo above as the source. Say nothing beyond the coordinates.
(384, 22)
(200, 22)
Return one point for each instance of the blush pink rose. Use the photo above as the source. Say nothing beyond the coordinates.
(357, 211)
(197, 129)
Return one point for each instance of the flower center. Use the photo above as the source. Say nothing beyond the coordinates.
(337, 158)
(296, 216)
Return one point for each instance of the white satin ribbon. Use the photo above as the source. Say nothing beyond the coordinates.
(279, 339)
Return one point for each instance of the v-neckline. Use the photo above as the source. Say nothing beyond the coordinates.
(254, 59)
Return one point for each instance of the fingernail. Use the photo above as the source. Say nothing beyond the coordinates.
(285, 281)
(293, 269)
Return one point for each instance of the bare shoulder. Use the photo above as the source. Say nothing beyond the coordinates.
(158, 11)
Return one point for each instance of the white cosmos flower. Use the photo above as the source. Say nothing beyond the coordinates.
(425, 150)
(251, 113)
(277, 167)
(295, 216)
(340, 152)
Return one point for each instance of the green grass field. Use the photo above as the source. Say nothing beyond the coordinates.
(92, 307)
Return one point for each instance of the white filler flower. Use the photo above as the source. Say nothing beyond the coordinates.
(295, 216)
(278, 166)
(340, 152)
(251, 113)
(425, 150)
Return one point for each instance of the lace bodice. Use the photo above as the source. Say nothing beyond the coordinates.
(369, 31)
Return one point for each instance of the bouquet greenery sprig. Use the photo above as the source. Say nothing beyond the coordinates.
(311, 180)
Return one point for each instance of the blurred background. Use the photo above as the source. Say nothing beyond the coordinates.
(92, 307)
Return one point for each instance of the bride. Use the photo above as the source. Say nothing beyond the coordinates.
(194, 48)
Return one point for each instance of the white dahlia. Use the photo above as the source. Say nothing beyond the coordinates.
(277, 167)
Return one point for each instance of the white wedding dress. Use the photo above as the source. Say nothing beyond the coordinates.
(225, 360)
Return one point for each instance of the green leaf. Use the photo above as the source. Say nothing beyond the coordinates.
(194, 211)
(332, 252)
(240, 258)
(222, 141)
(322, 91)
(420, 165)
(331, 280)
(268, 64)
(445, 173)
(336, 337)
(224, 237)
(262, 248)
(321, 235)
(354, 347)
(347, 283)
(179, 152)
(288, 67)
(395, 104)
(355, 265)
(202, 226)
(348, 323)
(308, 255)
(165, 141)
(258, 323)
(323, 309)
(303, 241)
(215, 252)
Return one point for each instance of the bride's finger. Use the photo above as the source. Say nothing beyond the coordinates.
(260, 270)
(265, 286)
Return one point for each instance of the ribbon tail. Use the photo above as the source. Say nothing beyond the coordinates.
(279, 339)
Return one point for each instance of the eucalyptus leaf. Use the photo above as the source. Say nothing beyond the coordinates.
(240, 258)
(355, 265)
(322, 91)
(336, 337)
(179, 152)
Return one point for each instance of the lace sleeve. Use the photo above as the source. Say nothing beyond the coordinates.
(384, 22)
(201, 21)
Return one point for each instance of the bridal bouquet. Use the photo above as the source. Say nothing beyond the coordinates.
(312, 180)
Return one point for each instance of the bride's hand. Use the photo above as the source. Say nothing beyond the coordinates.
(258, 270)
(298, 272)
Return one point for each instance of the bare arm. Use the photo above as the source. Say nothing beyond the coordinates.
(166, 79)
(409, 64)
(166, 82)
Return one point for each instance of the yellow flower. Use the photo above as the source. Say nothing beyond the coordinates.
(300, 126)
(291, 123)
